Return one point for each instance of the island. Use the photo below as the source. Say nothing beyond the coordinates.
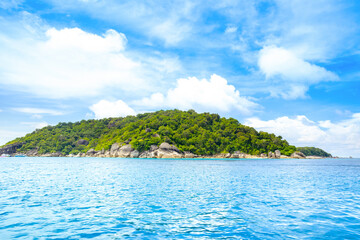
(161, 134)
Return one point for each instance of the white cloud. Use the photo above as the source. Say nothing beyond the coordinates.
(106, 109)
(202, 95)
(171, 23)
(37, 111)
(75, 38)
(72, 63)
(7, 4)
(340, 138)
(295, 74)
(230, 29)
(171, 31)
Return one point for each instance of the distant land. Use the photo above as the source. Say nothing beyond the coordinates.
(161, 134)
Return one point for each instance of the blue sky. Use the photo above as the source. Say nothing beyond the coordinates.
(288, 67)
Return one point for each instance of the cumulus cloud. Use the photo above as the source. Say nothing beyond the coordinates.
(73, 63)
(106, 109)
(338, 138)
(281, 65)
(202, 95)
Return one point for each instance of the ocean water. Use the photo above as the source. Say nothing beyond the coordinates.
(80, 198)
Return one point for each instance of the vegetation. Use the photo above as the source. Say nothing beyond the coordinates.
(312, 151)
(197, 133)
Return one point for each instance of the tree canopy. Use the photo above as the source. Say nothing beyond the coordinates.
(202, 134)
(312, 151)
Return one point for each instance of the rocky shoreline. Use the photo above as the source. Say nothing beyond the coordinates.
(165, 150)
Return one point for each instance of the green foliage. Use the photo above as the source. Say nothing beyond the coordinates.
(312, 151)
(197, 133)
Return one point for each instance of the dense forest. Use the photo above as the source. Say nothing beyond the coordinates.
(312, 151)
(202, 134)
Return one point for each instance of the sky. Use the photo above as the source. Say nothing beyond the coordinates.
(289, 67)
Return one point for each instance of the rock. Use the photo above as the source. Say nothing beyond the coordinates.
(189, 155)
(147, 130)
(91, 152)
(32, 153)
(148, 154)
(11, 148)
(298, 154)
(156, 135)
(277, 154)
(167, 147)
(114, 148)
(271, 155)
(134, 154)
(82, 142)
(169, 154)
(263, 155)
(55, 154)
(125, 151)
(107, 153)
(238, 154)
(153, 148)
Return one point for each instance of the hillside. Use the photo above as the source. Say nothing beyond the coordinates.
(201, 134)
(312, 151)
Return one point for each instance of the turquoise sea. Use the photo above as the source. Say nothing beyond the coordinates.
(102, 198)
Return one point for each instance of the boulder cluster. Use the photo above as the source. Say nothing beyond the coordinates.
(166, 150)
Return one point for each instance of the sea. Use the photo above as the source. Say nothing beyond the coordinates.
(112, 198)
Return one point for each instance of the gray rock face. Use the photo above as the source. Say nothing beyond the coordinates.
(156, 135)
(238, 154)
(271, 155)
(55, 154)
(91, 152)
(82, 142)
(277, 154)
(10, 149)
(167, 147)
(32, 152)
(148, 154)
(153, 147)
(125, 151)
(147, 130)
(114, 147)
(134, 154)
(298, 155)
(189, 155)
(263, 155)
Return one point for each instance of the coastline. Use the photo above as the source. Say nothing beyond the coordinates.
(164, 151)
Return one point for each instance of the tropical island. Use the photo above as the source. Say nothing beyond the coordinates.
(161, 134)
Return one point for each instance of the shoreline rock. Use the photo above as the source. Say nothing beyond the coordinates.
(166, 150)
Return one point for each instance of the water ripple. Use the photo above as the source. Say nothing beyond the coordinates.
(63, 198)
